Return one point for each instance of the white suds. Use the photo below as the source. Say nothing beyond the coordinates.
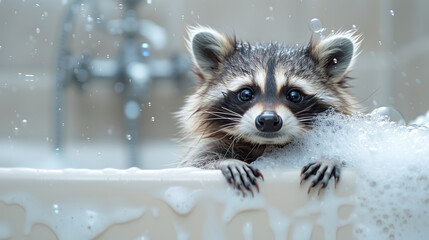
(391, 163)
(181, 199)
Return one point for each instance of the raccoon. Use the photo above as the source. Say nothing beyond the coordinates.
(250, 96)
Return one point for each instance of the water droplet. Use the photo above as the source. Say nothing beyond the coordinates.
(418, 80)
(120, 6)
(379, 42)
(99, 154)
(24, 122)
(182, 17)
(10, 58)
(149, 1)
(82, 6)
(98, 20)
(152, 119)
(57, 149)
(56, 208)
(335, 61)
(29, 78)
(404, 74)
(89, 26)
(107, 56)
(145, 51)
(392, 12)
(149, 104)
(316, 26)
(354, 27)
(37, 5)
(192, 12)
(128, 136)
(271, 8)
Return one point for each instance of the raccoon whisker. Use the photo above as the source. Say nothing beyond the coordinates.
(223, 127)
(219, 118)
(306, 118)
(234, 113)
(230, 120)
(216, 117)
(305, 109)
(221, 114)
(251, 150)
(236, 138)
(306, 115)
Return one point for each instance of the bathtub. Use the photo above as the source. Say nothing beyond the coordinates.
(179, 204)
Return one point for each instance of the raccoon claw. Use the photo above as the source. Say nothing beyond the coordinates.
(241, 175)
(323, 170)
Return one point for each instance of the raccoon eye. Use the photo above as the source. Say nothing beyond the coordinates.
(295, 96)
(245, 94)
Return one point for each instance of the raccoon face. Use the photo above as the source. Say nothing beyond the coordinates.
(265, 93)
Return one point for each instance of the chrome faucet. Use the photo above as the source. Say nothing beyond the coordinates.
(132, 70)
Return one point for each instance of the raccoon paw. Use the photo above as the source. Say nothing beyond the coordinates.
(240, 175)
(323, 170)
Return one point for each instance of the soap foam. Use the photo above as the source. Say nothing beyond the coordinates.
(392, 166)
(181, 199)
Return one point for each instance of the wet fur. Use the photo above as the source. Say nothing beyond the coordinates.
(213, 119)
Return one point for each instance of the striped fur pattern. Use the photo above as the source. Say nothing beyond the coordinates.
(213, 115)
(220, 126)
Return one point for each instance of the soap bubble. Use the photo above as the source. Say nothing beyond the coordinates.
(392, 113)
(390, 162)
(316, 26)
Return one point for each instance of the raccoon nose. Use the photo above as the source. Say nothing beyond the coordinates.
(268, 122)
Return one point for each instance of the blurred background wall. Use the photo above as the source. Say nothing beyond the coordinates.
(392, 69)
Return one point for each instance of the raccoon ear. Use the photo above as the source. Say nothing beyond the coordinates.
(336, 53)
(209, 49)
